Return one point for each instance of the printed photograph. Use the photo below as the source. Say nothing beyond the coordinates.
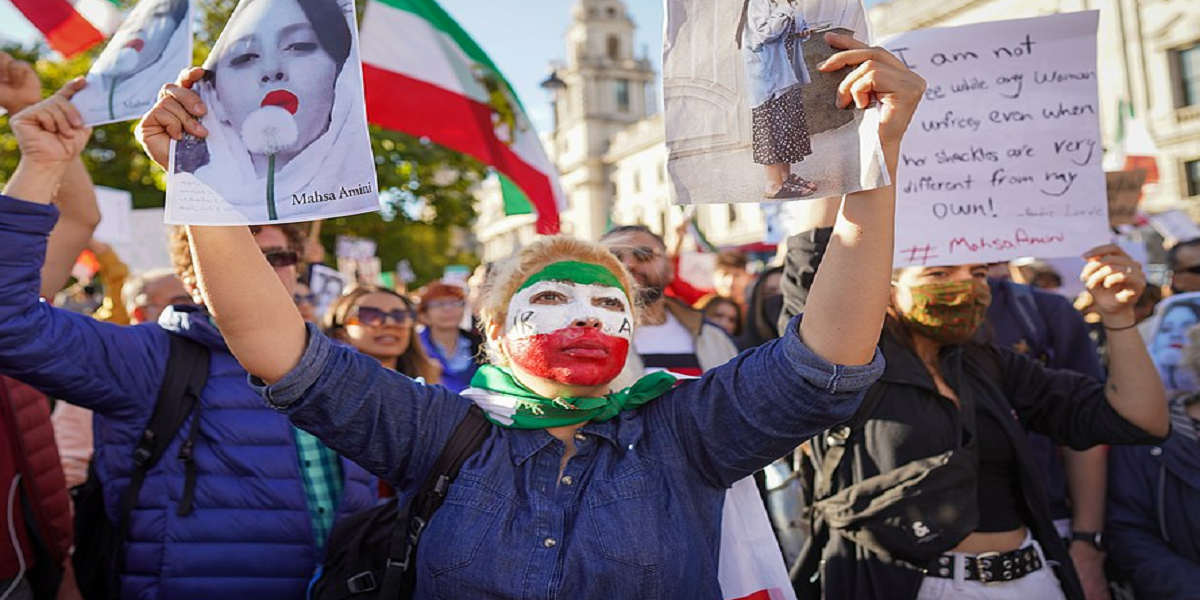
(287, 128)
(753, 119)
(151, 46)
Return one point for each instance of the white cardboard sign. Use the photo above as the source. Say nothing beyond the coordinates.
(1002, 158)
(116, 211)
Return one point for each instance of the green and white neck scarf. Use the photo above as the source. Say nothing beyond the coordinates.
(507, 403)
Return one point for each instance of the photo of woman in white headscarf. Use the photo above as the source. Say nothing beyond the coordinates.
(287, 136)
(151, 46)
(769, 36)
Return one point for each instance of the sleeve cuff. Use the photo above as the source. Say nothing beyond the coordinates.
(287, 391)
(26, 217)
(834, 379)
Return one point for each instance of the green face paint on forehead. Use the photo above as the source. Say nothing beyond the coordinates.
(575, 272)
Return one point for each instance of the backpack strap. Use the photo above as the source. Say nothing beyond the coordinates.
(183, 380)
(837, 438)
(468, 436)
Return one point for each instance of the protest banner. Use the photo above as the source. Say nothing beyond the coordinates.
(148, 249)
(1003, 156)
(355, 248)
(748, 115)
(1175, 225)
(1124, 194)
(116, 208)
(287, 129)
(149, 49)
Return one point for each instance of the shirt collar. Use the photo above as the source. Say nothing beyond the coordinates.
(527, 442)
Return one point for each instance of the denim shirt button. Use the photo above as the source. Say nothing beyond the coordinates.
(580, 437)
(549, 542)
(567, 480)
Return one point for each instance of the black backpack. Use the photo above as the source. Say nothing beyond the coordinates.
(371, 554)
(99, 543)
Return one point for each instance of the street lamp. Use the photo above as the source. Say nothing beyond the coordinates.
(553, 84)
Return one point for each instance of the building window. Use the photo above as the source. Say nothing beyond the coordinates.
(623, 95)
(1187, 65)
(1191, 172)
(732, 213)
(614, 47)
(612, 12)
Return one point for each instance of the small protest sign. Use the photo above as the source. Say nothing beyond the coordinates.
(149, 49)
(326, 285)
(1175, 225)
(1124, 194)
(1002, 158)
(749, 117)
(116, 210)
(287, 129)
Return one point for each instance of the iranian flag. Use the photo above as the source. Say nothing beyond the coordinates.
(71, 27)
(426, 77)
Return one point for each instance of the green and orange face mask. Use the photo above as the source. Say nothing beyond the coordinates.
(948, 312)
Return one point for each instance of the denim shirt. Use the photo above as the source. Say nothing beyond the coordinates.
(636, 512)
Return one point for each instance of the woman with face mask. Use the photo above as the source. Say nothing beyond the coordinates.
(583, 487)
(931, 490)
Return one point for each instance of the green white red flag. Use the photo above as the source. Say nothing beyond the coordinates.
(72, 26)
(423, 75)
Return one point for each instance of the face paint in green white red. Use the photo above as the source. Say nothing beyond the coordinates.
(576, 333)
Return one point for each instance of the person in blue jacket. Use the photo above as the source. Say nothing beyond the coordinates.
(1154, 504)
(266, 492)
(582, 489)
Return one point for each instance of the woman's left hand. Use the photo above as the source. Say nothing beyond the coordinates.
(1115, 281)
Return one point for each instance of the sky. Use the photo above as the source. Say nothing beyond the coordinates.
(521, 36)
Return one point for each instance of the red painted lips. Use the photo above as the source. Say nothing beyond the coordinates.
(572, 355)
(283, 99)
(136, 43)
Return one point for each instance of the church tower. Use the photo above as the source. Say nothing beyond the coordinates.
(602, 89)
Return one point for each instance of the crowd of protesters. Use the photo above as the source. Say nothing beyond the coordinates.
(206, 431)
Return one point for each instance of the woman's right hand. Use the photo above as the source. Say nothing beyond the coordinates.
(177, 112)
(879, 74)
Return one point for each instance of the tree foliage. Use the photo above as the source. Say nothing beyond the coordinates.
(427, 204)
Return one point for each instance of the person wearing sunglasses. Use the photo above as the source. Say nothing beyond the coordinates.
(380, 323)
(457, 350)
(263, 494)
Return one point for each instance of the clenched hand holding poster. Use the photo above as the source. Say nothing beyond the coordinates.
(287, 129)
(151, 46)
(749, 117)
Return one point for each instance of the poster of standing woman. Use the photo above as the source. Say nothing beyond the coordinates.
(151, 46)
(287, 129)
(751, 118)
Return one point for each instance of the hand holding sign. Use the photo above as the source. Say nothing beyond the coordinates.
(880, 75)
(51, 131)
(176, 113)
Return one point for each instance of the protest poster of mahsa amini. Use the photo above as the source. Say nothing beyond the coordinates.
(151, 46)
(749, 117)
(287, 128)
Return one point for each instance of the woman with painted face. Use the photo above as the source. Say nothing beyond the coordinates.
(583, 487)
(931, 490)
(149, 47)
(381, 324)
(1168, 337)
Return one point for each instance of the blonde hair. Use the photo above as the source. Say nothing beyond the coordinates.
(498, 292)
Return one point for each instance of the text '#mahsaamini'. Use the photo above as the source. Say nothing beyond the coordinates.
(343, 192)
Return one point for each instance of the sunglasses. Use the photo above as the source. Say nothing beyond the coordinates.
(641, 254)
(445, 304)
(281, 258)
(376, 317)
(304, 298)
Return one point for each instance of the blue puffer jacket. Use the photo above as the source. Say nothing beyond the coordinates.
(250, 535)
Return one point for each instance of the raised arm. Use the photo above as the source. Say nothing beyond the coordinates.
(845, 308)
(1134, 390)
(106, 368)
(255, 313)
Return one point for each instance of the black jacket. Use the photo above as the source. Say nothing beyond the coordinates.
(913, 421)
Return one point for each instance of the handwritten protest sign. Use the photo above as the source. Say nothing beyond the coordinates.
(1003, 155)
(1124, 193)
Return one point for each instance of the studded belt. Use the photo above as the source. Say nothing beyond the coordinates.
(989, 567)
